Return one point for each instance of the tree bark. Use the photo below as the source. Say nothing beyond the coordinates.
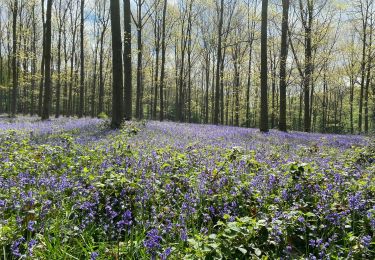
(162, 72)
(263, 125)
(218, 64)
(283, 57)
(14, 61)
(127, 61)
(82, 76)
(117, 89)
(47, 63)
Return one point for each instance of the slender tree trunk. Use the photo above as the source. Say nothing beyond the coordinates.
(308, 69)
(273, 92)
(368, 79)
(162, 73)
(181, 100)
(156, 76)
(363, 67)
(263, 73)
(208, 67)
(58, 85)
(283, 58)
(325, 90)
(218, 64)
(41, 84)
(127, 61)
(189, 50)
(117, 89)
(101, 80)
(237, 94)
(221, 113)
(33, 65)
(139, 98)
(93, 93)
(47, 84)
(72, 80)
(82, 76)
(65, 94)
(14, 61)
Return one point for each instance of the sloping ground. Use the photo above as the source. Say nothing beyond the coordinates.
(74, 189)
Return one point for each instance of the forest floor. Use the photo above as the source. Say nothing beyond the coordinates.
(74, 189)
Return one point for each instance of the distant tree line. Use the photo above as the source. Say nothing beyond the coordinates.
(304, 65)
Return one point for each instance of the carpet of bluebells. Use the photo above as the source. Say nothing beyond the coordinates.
(73, 189)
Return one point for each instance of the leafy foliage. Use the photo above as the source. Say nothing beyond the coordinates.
(74, 189)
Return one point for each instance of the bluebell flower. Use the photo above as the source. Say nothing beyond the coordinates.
(366, 241)
(30, 246)
(152, 241)
(166, 253)
(16, 246)
(30, 226)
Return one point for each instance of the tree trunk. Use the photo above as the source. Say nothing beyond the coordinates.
(82, 76)
(41, 84)
(101, 81)
(368, 79)
(218, 64)
(308, 69)
(117, 90)
(363, 66)
(156, 76)
(14, 61)
(33, 65)
(263, 125)
(127, 61)
(139, 98)
(47, 63)
(58, 85)
(162, 73)
(283, 57)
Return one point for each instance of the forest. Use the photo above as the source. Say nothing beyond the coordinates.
(187, 129)
(193, 61)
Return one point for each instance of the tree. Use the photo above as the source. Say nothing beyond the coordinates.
(283, 58)
(218, 64)
(140, 21)
(82, 77)
(307, 21)
(103, 18)
(61, 15)
(127, 61)
(47, 63)
(162, 73)
(14, 61)
(263, 125)
(117, 90)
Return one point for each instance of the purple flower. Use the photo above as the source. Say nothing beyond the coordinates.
(366, 241)
(355, 201)
(30, 246)
(126, 220)
(166, 253)
(16, 246)
(301, 219)
(94, 255)
(30, 226)
(152, 241)
(183, 234)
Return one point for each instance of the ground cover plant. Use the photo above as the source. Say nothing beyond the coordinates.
(72, 189)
